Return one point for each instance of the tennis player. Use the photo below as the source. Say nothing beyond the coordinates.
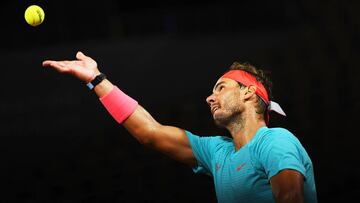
(256, 164)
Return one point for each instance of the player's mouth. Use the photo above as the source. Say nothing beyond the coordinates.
(214, 108)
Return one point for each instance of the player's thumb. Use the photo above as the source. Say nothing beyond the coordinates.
(80, 55)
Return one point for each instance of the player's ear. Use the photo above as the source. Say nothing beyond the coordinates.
(250, 91)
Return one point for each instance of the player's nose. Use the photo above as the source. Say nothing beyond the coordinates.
(210, 99)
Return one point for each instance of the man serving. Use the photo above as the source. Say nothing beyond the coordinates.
(257, 164)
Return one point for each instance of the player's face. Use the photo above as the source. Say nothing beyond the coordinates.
(225, 101)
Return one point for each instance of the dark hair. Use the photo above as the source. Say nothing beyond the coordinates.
(262, 77)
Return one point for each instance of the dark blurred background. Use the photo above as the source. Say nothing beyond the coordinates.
(58, 144)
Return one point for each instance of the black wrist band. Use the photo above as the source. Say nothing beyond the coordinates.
(91, 85)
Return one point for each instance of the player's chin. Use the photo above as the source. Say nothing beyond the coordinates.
(215, 115)
(218, 118)
(219, 123)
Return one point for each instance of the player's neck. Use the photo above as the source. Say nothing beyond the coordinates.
(244, 131)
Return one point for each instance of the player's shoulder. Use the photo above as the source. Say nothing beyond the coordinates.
(220, 140)
(274, 138)
(213, 138)
(279, 131)
(275, 134)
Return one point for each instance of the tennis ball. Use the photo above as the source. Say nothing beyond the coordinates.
(34, 15)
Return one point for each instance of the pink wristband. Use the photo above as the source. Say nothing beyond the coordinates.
(118, 104)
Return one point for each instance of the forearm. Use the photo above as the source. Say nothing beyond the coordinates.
(139, 123)
(126, 111)
(169, 140)
(142, 126)
(103, 88)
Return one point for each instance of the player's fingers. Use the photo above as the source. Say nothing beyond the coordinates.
(54, 63)
(46, 63)
(57, 65)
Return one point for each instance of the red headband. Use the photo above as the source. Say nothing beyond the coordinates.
(247, 79)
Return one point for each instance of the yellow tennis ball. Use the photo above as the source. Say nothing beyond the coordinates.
(34, 15)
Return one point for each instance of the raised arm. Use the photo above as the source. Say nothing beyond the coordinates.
(169, 140)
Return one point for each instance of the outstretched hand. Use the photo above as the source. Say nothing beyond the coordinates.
(85, 68)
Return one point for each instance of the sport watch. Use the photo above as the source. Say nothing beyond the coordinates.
(91, 85)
